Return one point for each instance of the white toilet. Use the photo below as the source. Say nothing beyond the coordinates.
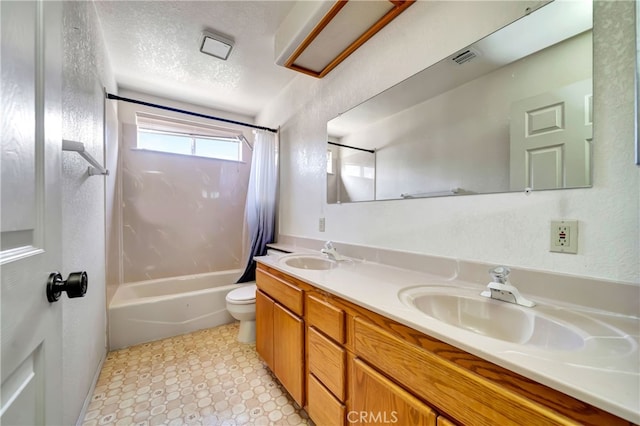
(241, 304)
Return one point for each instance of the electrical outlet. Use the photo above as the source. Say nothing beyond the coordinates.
(321, 224)
(564, 236)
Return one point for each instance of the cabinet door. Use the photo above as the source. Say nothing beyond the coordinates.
(377, 400)
(264, 328)
(288, 352)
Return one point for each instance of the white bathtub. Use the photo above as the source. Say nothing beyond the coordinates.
(150, 310)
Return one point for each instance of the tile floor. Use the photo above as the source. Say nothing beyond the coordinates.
(204, 378)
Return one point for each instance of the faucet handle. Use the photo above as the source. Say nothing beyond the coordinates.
(499, 274)
(328, 245)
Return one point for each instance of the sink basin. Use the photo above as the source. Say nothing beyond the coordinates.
(309, 262)
(466, 309)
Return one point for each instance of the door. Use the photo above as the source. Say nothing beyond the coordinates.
(30, 222)
(551, 138)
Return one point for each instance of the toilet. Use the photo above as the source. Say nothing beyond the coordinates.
(241, 304)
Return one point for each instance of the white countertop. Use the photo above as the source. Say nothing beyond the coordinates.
(608, 378)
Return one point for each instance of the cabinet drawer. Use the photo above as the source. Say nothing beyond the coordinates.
(324, 408)
(326, 362)
(325, 317)
(284, 293)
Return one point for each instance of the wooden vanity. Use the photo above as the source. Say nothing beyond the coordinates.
(348, 365)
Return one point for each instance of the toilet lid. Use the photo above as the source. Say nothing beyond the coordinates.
(246, 294)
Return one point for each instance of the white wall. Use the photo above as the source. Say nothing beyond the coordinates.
(510, 229)
(86, 71)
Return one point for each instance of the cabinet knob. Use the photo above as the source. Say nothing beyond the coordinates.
(75, 285)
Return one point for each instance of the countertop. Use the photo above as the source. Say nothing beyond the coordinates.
(608, 378)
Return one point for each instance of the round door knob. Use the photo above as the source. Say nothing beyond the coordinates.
(75, 285)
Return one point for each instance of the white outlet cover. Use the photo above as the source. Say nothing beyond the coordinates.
(564, 236)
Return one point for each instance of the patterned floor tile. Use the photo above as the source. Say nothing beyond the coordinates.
(202, 378)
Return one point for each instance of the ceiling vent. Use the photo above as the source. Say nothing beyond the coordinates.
(465, 56)
(215, 45)
(317, 35)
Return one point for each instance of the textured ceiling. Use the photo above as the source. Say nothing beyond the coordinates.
(154, 48)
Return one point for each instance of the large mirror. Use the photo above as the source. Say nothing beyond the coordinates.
(511, 112)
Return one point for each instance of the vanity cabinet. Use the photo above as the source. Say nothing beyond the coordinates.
(360, 367)
(280, 331)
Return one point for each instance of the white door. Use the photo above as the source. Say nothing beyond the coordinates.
(551, 138)
(30, 218)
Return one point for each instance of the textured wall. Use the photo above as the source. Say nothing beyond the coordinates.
(509, 228)
(85, 72)
(181, 215)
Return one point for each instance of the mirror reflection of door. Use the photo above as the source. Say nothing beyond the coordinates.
(551, 137)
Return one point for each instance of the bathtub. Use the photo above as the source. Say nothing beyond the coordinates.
(150, 310)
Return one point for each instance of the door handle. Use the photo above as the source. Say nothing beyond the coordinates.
(75, 285)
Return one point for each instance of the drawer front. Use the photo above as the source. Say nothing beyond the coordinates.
(325, 317)
(464, 396)
(324, 408)
(326, 362)
(287, 295)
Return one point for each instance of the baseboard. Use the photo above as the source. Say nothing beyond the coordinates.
(87, 399)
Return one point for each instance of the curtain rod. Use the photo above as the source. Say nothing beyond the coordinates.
(373, 151)
(182, 111)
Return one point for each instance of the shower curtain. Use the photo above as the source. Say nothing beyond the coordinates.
(260, 210)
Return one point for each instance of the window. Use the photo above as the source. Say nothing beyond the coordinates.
(329, 162)
(165, 134)
(358, 170)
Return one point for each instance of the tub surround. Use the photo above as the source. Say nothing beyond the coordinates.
(161, 190)
(611, 385)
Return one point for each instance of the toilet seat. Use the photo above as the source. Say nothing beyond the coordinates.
(242, 296)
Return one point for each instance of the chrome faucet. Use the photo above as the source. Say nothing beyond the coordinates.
(501, 289)
(330, 251)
